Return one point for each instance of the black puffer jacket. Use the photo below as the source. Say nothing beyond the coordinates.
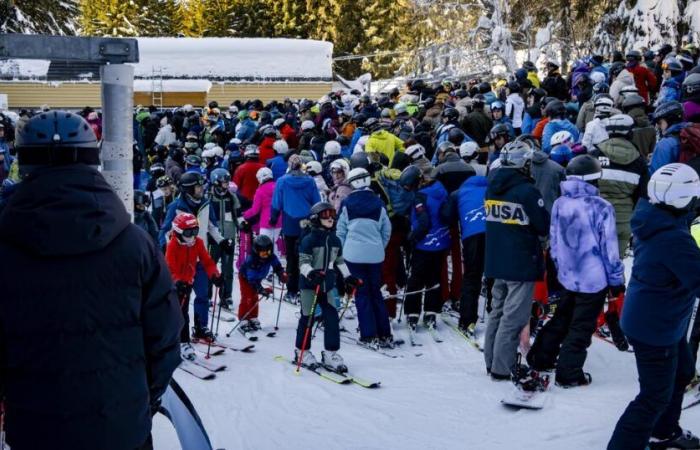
(89, 321)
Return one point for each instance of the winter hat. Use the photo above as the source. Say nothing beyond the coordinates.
(691, 111)
(295, 162)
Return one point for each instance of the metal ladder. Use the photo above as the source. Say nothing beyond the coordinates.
(157, 88)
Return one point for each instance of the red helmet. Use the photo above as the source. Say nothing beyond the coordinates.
(185, 225)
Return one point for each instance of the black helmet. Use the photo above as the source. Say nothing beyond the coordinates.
(191, 179)
(450, 114)
(601, 88)
(530, 140)
(671, 111)
(690, 90)
(141, 198)
(455, 136)
(478, 101)
(318, 211)
(633, 101)
(445, 147)
(371, 124)
(546, 101)
(500, 129)
(359, 159)
(686, 60)
(461, 93)
(538, 94)
(513, 86)
(193, 160)
(555, 109)
(417, 85)
(410, 178)
(164, 181)
(633, 55)
(529, 66)
(156, 170)
(262, 243)
(484, 87)
(56, 138)
(584, 167)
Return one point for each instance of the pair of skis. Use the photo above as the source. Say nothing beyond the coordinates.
(434, 334)
(205, 369)
(471, 340)
(335, 377)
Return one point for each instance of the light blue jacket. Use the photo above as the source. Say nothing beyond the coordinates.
(363, 227)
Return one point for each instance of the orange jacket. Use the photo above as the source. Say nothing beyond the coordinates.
(182, 260)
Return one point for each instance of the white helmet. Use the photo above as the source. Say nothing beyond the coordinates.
(263, 174)
(280, 147)
(561, 137)
(235, 141)
(209, 145)
(188, 108)
(415, 151)
(278, 123)
(213, 152)
(675, 184)
(251, 151)
(307, 125)
(620, 125)
(332, 148)
(597, 77)
(314, 168)
(400, 108)
(359, 178)
(468, 150)
(340, 164)
(603, 104)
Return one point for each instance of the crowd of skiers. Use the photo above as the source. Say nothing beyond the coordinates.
(527, 191)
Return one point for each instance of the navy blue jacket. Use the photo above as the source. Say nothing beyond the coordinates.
(468, 202)
(278, 165)
(254, 269)
(665, 277)
(89, 320)
(515, 220)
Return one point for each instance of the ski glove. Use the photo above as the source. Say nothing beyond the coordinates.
(226, 246)
(245, 226)
(353, 282)
(316, 277)
(183, 289)
(217, 280)
(283, 277)
(264, 291)
(615, 291)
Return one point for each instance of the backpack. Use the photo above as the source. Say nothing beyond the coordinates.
(690, 142)
(400, 199)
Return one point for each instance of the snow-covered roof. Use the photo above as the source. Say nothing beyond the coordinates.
(214, 59)
(192, 85)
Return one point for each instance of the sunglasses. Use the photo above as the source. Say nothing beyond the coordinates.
(190, 232)
(327, 214)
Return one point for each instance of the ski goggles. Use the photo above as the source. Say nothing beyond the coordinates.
(190, 232)
(264, 253)
(327, 214)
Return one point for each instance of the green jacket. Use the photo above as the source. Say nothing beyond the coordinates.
(644, 134)
(385, 143)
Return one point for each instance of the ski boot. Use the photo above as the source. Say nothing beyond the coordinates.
(429, 320)
(683, 439)
(386, 342)
(333, 361)
(369, 342)
(202, 334)
(254, 324)
(584, 380)
(227, 304)
(603, 331)
(308, 360)
(412, 321)
(246, 327)
(469, 330)
(291, 298)
(187, 351)
(618, 337)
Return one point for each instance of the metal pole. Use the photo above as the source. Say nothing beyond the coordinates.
(118, 130)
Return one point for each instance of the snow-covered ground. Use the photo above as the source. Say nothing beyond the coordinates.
(441, 399)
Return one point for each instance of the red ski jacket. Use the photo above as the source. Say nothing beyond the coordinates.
(182, 260)
(245, 179)
(644, 79)
(266, 150)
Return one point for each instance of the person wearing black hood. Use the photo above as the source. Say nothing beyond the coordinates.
(88, 372)
(554, 84)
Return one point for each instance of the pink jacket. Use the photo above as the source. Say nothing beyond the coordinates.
(262, 206)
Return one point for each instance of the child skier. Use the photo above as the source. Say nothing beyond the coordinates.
(319, 252)
(583, 245)
(185, 249)
(253, 270)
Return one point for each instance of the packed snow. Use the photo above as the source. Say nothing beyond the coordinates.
(436, 396)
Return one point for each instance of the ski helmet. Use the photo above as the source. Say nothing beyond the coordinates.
(455, 136)
(538, 94)
(156, 170)
(56, 138)
(445, 147)
(530, 140)
(633, 55)
(220, 179)
(601, 88)
(478, 102)
(672, 65)
(278, 123)
(340, 165)
(263, 174)
(555, 109)
(251, 152)
(314, 168)
(280, 147)
(307, 125)
(467, 150)
(415, 152)
(690, 89)
(164, 181)
(561, 138)
(561, 154)
(331, 148)
(410, 178)
(450, 114)
(141, 200)
(675, 185)
(584, 167)
(193, 161)
(262, 246)
(671, 111)
(359, 178)
(501, 130)
(321, 210)
(515, 155)
(632, 101)
(603, 105)
(400, 108)
(498, 105)
(188, 181)
(620, 125)
(186, 228)
(359, 159)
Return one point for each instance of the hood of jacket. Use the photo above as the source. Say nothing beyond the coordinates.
(539, 157)
(506, 178)
(298, 180)
(648, 220)
(381, 135)
(619, 150)
(363, 202)
(625, 77)
(516, 98)
(675, 129)
(68, 210)
(640, 117)
(575, 188)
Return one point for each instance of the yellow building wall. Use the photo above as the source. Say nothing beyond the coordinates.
(78, 95)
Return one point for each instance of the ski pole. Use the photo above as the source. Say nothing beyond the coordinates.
(420, 291)
(245, 316)
(309, 323)
(213, 310)
(347, 304)
(279, 306)
(403, 300)
(218, 317)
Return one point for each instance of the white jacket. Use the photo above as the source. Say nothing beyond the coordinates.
(595, 133)
(166, 136)
(624, 78)
(515, 108)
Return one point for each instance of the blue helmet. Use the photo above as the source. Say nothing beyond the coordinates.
(219, 175)
(56, 138)
(561, 154)
(498, 105)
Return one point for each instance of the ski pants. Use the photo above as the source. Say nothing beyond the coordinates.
(567, 335)
(245, 246)
(512, 302)
(248, 307)
(331, 330)
(371, 311)
(473, 254)
(201, 297)
(425, 273)
(185, 308)
(664, 372)
(226, 269)
(392, 266)
(451, 287)
(292, 246)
